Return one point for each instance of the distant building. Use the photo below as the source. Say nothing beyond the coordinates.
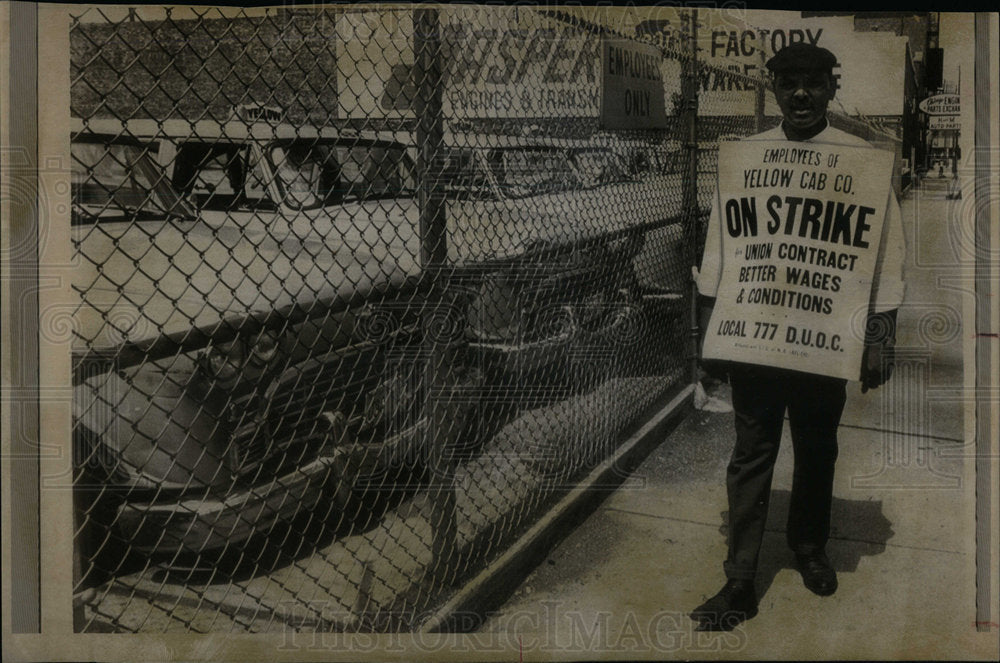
(923, 77)
(923, 61)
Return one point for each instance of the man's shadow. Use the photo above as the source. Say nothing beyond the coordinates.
(858, 529)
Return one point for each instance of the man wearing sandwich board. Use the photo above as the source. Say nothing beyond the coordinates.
(798, 288)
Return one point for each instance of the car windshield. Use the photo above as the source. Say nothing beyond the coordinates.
(531, 171)
(116, 181)
(317, 173)
(598, 167)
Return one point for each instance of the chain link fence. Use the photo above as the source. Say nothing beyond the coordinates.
(361, 292)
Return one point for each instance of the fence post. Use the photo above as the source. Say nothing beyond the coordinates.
(761, 93)
(430, 137)
(427, 79)
(689, 92)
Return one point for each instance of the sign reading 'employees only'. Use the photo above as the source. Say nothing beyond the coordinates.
(801, 225)
(631, 86)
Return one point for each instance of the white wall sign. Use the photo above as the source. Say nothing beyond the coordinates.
(867, 61)
(497, 63)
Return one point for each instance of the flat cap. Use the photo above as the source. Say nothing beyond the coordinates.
(802, 57)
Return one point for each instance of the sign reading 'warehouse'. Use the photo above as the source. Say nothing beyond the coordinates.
(800, 232)
(632, 86)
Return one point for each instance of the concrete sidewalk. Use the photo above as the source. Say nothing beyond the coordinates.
(621, 584)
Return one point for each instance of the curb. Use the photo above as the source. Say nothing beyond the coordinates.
(467, 609)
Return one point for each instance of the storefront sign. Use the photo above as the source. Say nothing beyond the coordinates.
(944, 122)
(799, 232)
(941, 104)
(502, 64)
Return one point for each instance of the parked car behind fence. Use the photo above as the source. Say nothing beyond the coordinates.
(252, 316)
(228, 373)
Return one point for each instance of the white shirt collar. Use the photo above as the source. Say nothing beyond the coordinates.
(826, 129)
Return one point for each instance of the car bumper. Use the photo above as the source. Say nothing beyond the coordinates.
(519, 358)
(621, 326)
(197, 525)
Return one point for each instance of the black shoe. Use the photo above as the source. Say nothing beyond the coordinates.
(817, 574)
(735, 603)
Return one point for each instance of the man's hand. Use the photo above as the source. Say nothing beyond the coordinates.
(876, 366)
(713, 367)
(878, 359)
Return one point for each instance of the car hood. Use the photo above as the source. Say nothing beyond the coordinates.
(136, 281)
(140, 280)
(491, 229)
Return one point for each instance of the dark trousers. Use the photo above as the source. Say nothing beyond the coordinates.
(760, 398)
